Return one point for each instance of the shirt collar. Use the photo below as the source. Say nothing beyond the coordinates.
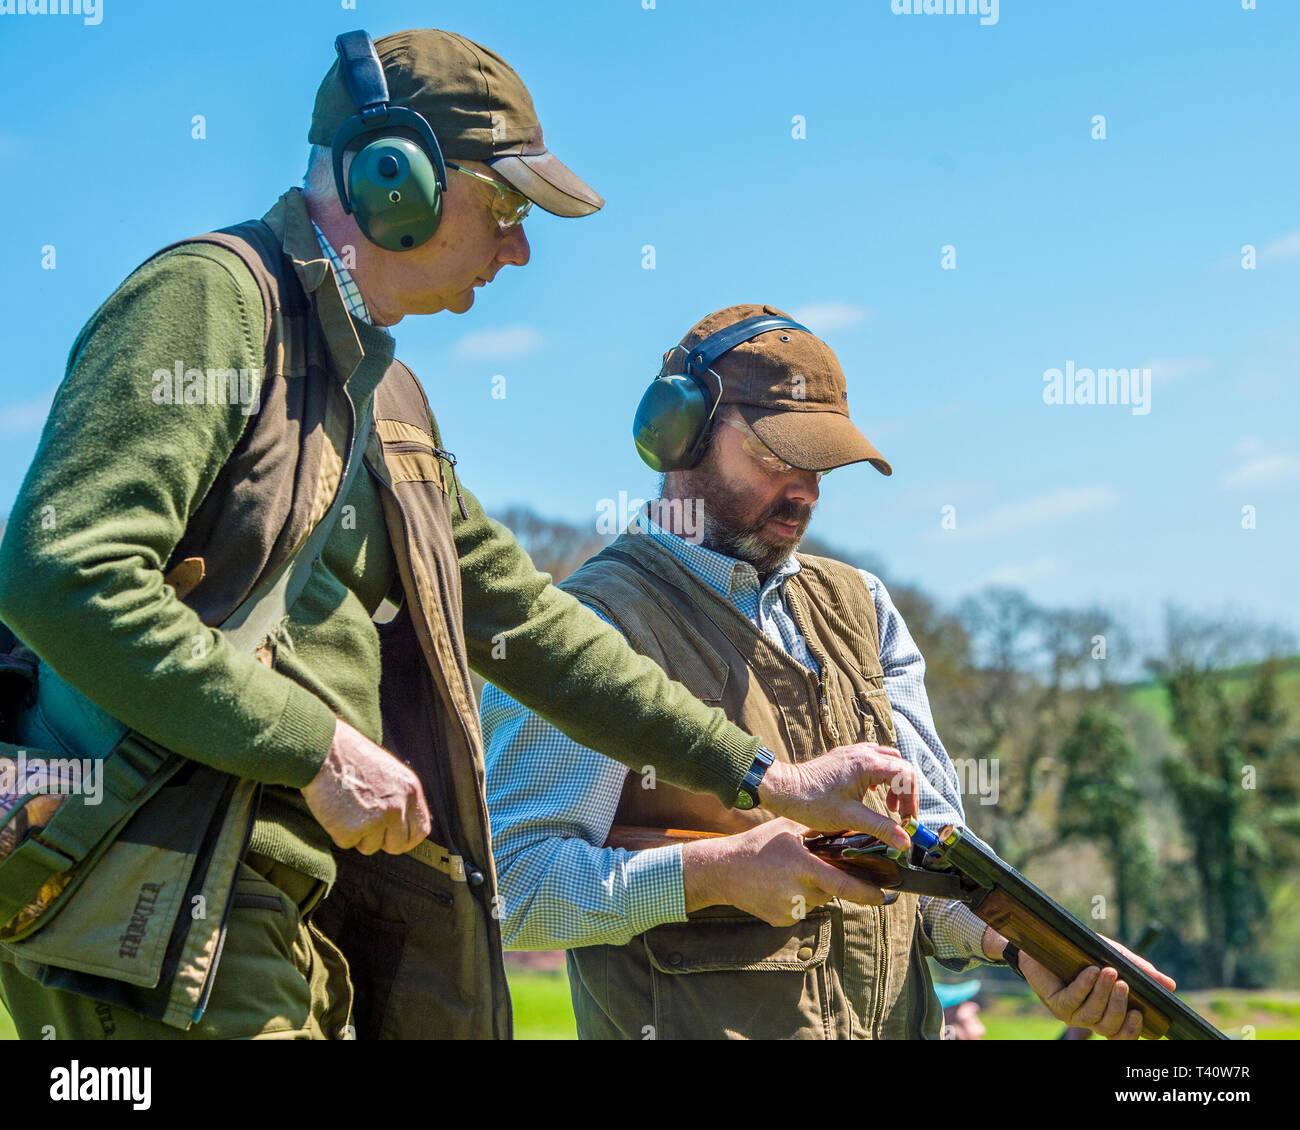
(348, 288)
(727, 576)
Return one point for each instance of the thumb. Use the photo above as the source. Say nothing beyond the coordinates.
(841, 885)
(863, 819)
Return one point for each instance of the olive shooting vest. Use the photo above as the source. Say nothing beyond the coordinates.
(418, 930)
(845, 971)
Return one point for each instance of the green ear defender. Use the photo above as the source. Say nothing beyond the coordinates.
(672, 420)
(395, 184)
(394, 193)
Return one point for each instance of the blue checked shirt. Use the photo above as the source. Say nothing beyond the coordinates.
(552, 801)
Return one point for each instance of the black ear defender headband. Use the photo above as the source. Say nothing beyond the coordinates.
(395, 185)
(672, 420)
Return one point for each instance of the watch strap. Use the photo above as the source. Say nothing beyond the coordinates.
(747, 794)
(1011, 955)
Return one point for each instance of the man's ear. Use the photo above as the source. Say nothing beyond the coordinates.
(716, 427)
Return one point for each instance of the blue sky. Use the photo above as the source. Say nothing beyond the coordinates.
(921, 132)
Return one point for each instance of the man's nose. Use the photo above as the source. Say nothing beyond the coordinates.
(514, 248)
(803, 487)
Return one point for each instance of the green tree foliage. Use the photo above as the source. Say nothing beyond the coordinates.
(1102, 803)
(1237, 794)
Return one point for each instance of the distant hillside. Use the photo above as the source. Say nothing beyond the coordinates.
(1150, 696)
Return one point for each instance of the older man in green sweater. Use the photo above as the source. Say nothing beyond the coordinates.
(154, 507)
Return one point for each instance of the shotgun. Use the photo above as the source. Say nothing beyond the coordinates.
(954, 864)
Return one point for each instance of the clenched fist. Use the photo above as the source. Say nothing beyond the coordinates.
(365, 798)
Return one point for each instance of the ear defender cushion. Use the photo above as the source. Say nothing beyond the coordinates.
(670, 423)
(395, 193)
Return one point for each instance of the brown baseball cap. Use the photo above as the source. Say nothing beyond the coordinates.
(478, 107)
(790, 389)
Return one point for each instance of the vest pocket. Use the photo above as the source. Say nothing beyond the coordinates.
(875, 717)
(138, 891)
(410, 453)
(697, 666)
(732, 976)
(410, 933)
(374, 948)
(136, 936)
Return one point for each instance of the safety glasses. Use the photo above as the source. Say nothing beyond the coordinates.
(508, 206)
(758, 451)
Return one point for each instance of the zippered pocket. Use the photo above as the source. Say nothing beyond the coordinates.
(412, 461)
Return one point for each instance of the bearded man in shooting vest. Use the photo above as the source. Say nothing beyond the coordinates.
(242, 559)
(745, 935)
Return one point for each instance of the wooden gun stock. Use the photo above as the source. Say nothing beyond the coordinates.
(957, 866)
(634, 838)
(870, 863)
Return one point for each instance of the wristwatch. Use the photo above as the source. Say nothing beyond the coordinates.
(1011, 955)
(747, 794)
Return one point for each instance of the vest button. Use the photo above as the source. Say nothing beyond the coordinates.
(474, 876)
(674, 959)
(805, 953)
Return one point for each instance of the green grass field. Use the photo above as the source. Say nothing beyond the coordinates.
(542, 1012)
(1151, 696)
(542, 1008)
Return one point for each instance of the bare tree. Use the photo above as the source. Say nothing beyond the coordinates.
(556, 547)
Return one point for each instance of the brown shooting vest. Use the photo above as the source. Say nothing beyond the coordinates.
(418, 930)
(845, 971)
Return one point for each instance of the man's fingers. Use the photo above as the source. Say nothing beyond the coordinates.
(1096, 999)
(887, 750)
(880, 826)
(398, 838)
(903, 795)
(902, 781)
(1144, 965)
(417, 825)
(841, 885)
(1132, 1029)
(1094, 1008)
(345, 838)
(1112, 1020)
(892, 772)
(1070, 999)
(900, 778)
(371, 841)
(424, 822)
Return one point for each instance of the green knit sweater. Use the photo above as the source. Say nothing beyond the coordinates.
(115, 479)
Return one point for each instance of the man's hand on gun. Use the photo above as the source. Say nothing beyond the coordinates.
(827, 792)
(766, 870)
(1096, 999)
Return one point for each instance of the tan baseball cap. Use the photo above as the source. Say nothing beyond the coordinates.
(790, 389)
(479, 110)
